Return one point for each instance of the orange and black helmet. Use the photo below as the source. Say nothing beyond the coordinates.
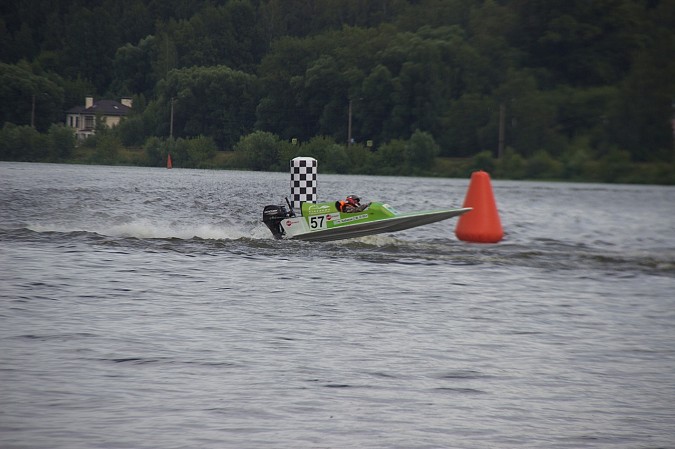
(353, 200)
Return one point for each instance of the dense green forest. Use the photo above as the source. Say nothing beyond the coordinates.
(558, 89)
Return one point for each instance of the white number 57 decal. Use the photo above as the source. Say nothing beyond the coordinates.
(317, 222)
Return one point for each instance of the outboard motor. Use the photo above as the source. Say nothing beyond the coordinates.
(272, 217)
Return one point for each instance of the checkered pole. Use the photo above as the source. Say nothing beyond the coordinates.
(303, 182)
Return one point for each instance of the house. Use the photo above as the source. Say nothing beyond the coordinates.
(83, 118)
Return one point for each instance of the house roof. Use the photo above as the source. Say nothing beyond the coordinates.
(103, 107)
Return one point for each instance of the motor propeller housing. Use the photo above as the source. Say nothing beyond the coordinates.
(272, 217)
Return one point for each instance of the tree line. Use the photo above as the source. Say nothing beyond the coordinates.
(577, 85)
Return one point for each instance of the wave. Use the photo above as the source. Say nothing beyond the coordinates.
(255, 241)
(146, 229)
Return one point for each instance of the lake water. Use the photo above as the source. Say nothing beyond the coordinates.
(151, 308)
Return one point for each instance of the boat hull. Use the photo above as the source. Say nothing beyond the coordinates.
(300, 228)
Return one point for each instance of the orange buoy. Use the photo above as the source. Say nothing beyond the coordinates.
(168, 162)
(482, 224)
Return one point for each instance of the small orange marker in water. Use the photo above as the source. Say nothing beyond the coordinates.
(169, 165)
(482, 224)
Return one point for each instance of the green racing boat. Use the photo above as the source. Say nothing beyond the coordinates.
(323, 222)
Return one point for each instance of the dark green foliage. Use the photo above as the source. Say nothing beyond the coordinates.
(24, 143)
(185, 153)
(483, 161)
(212, 101)
(107, 149)
(511, 166)
(132, 131)
(156, 151)
(189, 153)
(332, 156)
(391, 157)
(26, 97)
(420, 151)
(542, 166)
(133, 69)
(21, 143)
(586, 87)
(259, 151)
(61, 142)
(226, 35)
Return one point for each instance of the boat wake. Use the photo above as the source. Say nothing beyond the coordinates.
(254, 240)
(146, 229)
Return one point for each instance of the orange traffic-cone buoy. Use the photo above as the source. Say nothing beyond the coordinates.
(482, 224)
(168, 162)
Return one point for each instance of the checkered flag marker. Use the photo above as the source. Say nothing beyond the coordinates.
(303, 182)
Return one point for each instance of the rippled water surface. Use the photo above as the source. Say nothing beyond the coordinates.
(150, 308)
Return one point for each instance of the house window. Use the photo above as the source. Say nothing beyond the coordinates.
(89, 122)
(77, 122)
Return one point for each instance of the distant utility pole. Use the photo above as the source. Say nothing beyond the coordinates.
(171, 123)
(349, 124)
(502, 119)
(32, 114)
(672, 124)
